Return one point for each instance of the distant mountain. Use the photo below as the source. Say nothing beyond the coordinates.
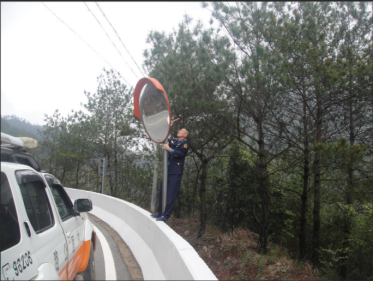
(18, 127)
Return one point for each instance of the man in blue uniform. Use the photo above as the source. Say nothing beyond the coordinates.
(178, 148)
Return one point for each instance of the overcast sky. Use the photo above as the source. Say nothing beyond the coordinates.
(45, 66)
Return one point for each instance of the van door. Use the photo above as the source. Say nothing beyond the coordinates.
(47, 236)
(18, 260)
(72, 224)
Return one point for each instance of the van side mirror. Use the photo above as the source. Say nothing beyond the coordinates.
(82, 205)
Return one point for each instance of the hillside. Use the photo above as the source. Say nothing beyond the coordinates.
(233, 256)
(18, 127)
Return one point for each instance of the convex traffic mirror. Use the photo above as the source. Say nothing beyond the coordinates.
(151, 106)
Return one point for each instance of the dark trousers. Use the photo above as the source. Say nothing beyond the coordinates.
(174, 183)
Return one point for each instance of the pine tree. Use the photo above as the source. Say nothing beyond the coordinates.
(184, 64)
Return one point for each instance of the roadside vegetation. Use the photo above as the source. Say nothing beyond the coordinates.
(278, 101)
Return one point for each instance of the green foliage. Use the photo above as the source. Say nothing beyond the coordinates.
(274, 254)
(73, 144)
(184, 63)
(320, 55)
(360, 248)
(235, 190)
(292, 83)
(261, 262)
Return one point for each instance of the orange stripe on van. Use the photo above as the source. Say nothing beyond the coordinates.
(78, 263)
(85, 255)
(63, 275)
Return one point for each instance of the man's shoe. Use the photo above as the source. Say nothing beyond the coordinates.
(155, 216)
(162, 219)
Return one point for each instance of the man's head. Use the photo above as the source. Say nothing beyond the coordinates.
(182, 134)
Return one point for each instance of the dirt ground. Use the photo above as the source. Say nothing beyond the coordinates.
(233, 256)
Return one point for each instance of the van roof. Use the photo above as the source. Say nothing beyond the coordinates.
(8, 166)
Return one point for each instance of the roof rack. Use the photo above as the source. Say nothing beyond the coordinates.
(13, 150)
(20, 142)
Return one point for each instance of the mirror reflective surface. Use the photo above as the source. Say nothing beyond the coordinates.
(154, 112)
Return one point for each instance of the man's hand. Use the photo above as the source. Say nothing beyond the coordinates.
(172, 122)
(166, 146)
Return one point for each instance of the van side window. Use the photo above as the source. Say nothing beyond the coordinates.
(35, 199)
(10, 232)
(23, 161)
(63, 202)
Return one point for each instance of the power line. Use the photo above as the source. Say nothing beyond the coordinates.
(110, 40)
(120, 39)
(86, 43)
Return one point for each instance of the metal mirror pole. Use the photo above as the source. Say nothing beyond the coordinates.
(103, 176)
(164, 178)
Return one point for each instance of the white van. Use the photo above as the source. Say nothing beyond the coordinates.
(43, 236)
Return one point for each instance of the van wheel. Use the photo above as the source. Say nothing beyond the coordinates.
(90, 272)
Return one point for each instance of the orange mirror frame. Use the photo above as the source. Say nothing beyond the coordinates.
(138, 89)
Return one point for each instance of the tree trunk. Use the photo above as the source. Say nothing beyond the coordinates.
(347, 223)
(110, 179)
(194, 194)
(177, 208)
(115, 187)
(304, 198)
(264, 194)
(50, 164)
(317, 185)
(77, 177)
(203, 214)
(304, 195)
(64, 172)
(346, 229)
(188, 195)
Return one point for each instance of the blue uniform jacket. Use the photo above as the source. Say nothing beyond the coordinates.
(177, 155)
